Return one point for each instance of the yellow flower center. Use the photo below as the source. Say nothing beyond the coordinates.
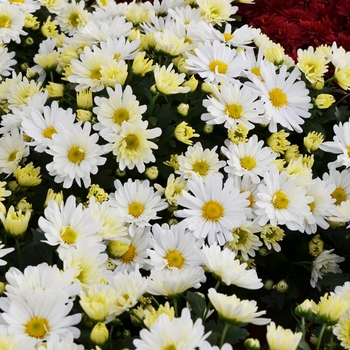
(248, 163)
(37, 327)
(256, 71)
(5, 21)
(278, 98)
(96, 73)
(170, 347)
(175, 258)
(76, 155)
(348, 149)
(280, 200)
(136, 209)
(201, 167)
(212, 210)
(339, 195)
(12, 156)
(312, 206)
(121, 115)
(16, 1)
(49, 131)
(243, 235)
(251, 200)
(69, 235)
(130, 255)
(234, 111)
(132, 142)
(217, 66)
(228, 36)
(117, 56)
(74, 19)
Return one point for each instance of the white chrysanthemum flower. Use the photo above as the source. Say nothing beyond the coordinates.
(286, 99)
(213, 208)
(320, 207)
(112, 223)
(130, 251)
(68, 224)
(199, 161)
(232, 105)
(76, 155)
(217, 11)
(72, 17)
(6, 61)
(88, 262)
(129, 287)
(249, 158)
(131, 145)
(174, 282)
(41, 126)
(12, 341)
(137, 202)
(13, 150)
(55, 343)
(121, 48)
(161, 7)
(86, 71)
(343, 291)
(215, 62)
(236, 311)
(172, 248)
(281, 200)
(4, 252)
(37, 315)
(12, 23)
(340, 146)
(26, 6)
(186, 14)
(120, 106)
(324, 263)
(41, 277)
(282, 339)
(224, 266)
(179, 333)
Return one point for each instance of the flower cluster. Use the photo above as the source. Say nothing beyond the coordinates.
(168, 176)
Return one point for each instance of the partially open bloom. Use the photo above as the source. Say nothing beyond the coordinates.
(15, 222)
(282, 339)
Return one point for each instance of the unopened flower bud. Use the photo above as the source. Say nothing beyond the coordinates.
(252, 344)
(152, 172)
(208, 129)
(323, 101)
(268, 284)
(304, 309)
(182, 109)
(281, 286)
(99, 334)
(192, 83)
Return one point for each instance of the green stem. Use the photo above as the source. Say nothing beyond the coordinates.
(18, 248)
(110, 338)
(136, 316)
(303, 329)
(175, 307)
(155, 300)
(151, 105)
(207, 309)
(324, 326)
(343, 98)
(223, 335)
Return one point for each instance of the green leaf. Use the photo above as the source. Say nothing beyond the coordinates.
(303, 345)
(197, 303)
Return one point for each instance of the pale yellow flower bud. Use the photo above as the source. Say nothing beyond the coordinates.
(84, 99)
(323, 101)
(28, 176)
(318, 84)
(192, 83)
(182, 109)
(281, 286)
(313, 140)
(152, 172)
(268, 284)
(142, 65)
(184, 133)
(99, 334)
(116, 249)
(15, 222)
(252, 344)
(55, 90)
(208, 129)
(304, 309)
(51, 195)
(207, 87)
(84, 115)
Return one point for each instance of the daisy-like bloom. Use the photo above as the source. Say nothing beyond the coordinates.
(76, 155)
(224, 266)
(172, 283)
(213, 208)
(313, 141)
(244, 240)
(121, 48)
(11, 23)
(313, 63)
(42, 277)
(183, 132)
(137, 201)
(13, 150)
(236, 311)
(282, 339)
(343, 291)
(199, 161)
(282, 200)
(326, 262)
(320, 207)
(68, 224)
(167, 81)
(173, 189)
(112, 224)
(330, 308)
(131, 145)
(129, 288)
(232, 105)
(186, 14)
(179, 333)
(342, 330)
(6, 61)
(115, 72)
(4, 252)
(41, 126)
(37, 315)
(215, 62)
(86, 71)
(216, 12)
(340, 146)
(3, 193)
(72, 17)
(285, 98)
(249, 158)
(120, 106)
(172, 248)
(128, 256)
